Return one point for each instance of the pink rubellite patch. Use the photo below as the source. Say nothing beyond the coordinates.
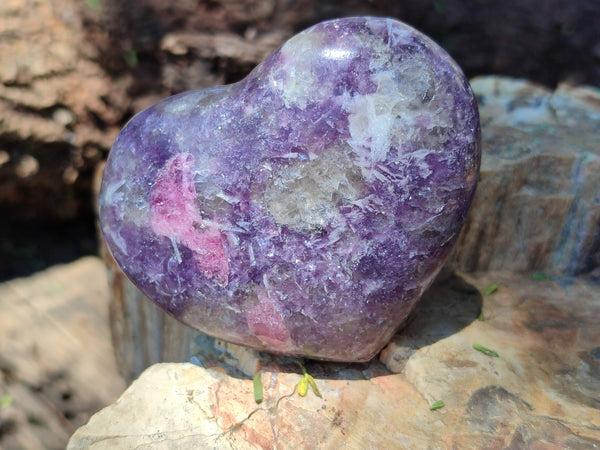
(174, 214)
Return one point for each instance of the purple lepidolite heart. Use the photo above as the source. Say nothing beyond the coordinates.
(303, 210)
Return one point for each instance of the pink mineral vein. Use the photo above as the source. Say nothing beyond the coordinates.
(173, 214)
(267, 323)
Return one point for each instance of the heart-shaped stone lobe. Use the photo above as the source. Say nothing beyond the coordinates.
(304, 209)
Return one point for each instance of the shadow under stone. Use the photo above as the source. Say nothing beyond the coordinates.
(445, 309)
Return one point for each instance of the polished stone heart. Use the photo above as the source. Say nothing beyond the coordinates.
(303, 210)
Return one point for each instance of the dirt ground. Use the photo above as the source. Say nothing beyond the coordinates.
(73, 72)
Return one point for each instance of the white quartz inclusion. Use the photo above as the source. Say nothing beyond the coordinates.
(307, 195)
(406, 107)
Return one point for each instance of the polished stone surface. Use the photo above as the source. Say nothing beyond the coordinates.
(305, 209)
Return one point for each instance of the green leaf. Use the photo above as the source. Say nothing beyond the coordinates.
(437, 405)
(313, 385)
(439, 6)
(303, 385)
(93, 4)
(131, 58)
(490, 289)
(486, 351)
(258, 389)
(5, 400)
(540, 276)
(481, 317)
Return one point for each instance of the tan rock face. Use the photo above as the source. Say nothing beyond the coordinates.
(545, 333)
(541, 390)
(56, 365)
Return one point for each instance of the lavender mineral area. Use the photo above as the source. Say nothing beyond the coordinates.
(305, 209)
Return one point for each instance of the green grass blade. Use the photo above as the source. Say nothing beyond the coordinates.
(258, 389)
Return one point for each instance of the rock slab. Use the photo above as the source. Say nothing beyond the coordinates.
(56, 359)
(542, 390)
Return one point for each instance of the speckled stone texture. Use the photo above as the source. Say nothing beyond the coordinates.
(303, 210)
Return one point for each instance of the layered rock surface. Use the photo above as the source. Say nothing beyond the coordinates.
(537, 204)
